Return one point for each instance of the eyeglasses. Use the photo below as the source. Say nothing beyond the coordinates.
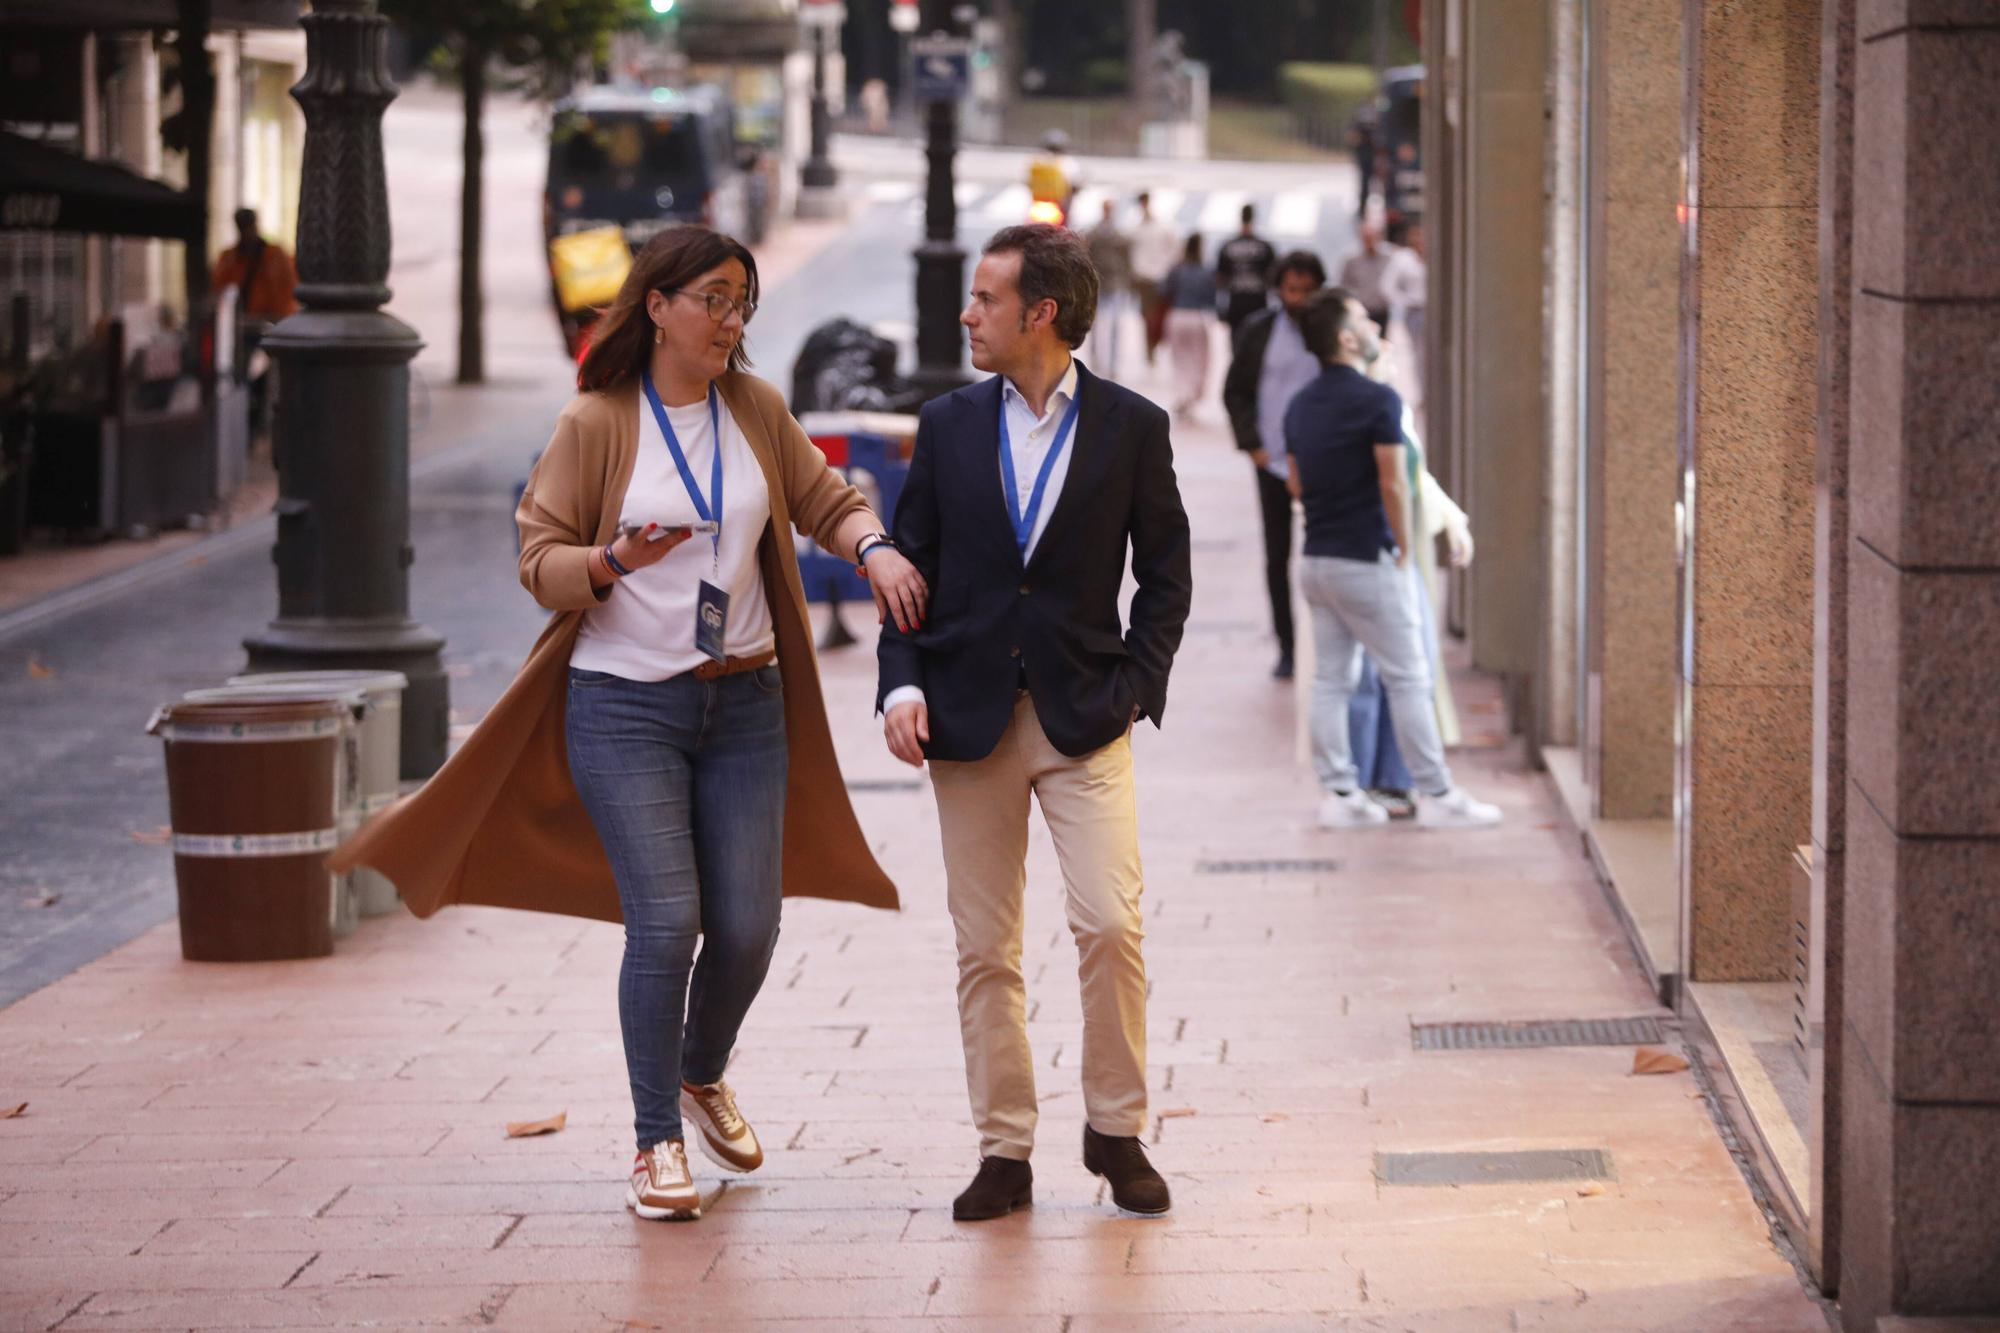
(718, 304)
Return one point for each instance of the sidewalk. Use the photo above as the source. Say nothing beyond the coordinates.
(320, 1144)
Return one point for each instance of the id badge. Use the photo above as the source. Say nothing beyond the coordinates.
(711, 621)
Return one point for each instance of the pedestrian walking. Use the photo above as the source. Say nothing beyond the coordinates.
(261, 271)
(1344, 436)
(1189, 297)
(1155, 250)
(1362, 132)
(1405, 280)
(664, 759)
(1026, 494)
(1362, 273)
(1243, 271)
(266, 285)
(1111, 253)
(1378, 760)
(1270, 365)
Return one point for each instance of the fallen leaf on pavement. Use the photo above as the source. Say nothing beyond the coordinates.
(1590, 1191)
(1176, 1113)
(11, 1112)
(36, 671)
(154, 837)
(42, 898)
(524, 1129)
(1653, 1060)
(1273, 1117)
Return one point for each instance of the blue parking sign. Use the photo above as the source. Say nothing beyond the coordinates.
(941, 68)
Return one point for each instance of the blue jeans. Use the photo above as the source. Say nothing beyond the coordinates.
(685, 781)
(1378, 761)
(1371, 731)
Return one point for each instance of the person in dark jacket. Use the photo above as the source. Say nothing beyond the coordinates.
(1271, 364)
(1028, 494)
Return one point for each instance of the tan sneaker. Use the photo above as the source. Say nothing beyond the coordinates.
(661, 1186)
(725, 1137)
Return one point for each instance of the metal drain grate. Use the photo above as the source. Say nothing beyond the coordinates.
(1311, 865)
(885, 784)
(1492, 1168)
(1521, 1036)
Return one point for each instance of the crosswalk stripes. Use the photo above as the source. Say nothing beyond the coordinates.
(1295, 213)
(1221, 211)
(1291, 217)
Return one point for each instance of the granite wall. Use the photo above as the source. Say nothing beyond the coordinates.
(1920, 1067)
(1634, 314)
(1749, 370)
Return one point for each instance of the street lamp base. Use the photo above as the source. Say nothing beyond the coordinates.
(382, 645)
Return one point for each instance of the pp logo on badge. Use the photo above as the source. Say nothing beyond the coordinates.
(711, 615)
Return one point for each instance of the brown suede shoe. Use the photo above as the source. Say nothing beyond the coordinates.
(1135, 1186)
(1002, 1185)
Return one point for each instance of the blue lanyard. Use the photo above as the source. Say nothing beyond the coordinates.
(680, 459)
(1024, 522)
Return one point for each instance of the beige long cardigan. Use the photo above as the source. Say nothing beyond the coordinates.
(501, 822)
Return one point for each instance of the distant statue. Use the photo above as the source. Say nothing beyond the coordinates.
(1173, 88)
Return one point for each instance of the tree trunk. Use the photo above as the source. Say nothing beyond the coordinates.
(198, 114)
(471, 299)
(1141, 27)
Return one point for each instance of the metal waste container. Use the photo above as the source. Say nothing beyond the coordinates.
(253, 790)
(381, 758)
(353, 703)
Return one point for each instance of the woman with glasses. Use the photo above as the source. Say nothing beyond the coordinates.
(664, 757)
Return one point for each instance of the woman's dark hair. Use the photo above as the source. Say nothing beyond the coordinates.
(622, 339)
(1191, 252)
(1301, 261)
(1055, 266)
(1325, 315)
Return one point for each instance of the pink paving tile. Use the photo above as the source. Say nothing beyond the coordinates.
(295, 1307)
(365, 1092)
(85, 1206)
(619, 1305)
(314, 1234)
(770, 1227)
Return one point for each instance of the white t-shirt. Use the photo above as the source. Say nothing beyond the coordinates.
(1156, 247)
(645, 629)
(1404, 279)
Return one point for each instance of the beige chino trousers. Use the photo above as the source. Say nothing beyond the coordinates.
(1092, 813)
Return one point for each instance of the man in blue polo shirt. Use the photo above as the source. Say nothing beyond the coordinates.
(1344, 437)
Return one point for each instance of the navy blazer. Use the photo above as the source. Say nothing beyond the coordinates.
(991, 617)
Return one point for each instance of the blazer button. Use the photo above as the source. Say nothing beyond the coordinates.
(1014, 652)
(1024, 590)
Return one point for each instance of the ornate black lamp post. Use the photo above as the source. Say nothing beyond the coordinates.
(817, 178)
(342, 434)
(940, 261)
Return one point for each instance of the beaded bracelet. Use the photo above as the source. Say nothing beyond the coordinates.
(611, 562)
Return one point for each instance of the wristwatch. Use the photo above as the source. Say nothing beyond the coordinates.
(869, 542)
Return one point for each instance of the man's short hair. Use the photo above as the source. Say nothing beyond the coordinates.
(246, 217)
(1327, 312)
(1249, 214)
(1301, 261)
(1055, 266)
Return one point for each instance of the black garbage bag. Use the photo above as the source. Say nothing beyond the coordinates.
(846, 366)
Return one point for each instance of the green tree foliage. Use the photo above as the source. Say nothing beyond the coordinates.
(543, 41)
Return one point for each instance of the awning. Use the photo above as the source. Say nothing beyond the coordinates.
(46, 189)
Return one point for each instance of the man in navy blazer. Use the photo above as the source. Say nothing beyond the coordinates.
(1026, 493)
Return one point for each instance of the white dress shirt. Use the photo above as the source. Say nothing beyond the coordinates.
(1029, 439)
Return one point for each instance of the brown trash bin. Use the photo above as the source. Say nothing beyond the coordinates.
(347, 804)
(253, 791)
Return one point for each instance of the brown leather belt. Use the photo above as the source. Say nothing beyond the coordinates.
(733, 666)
